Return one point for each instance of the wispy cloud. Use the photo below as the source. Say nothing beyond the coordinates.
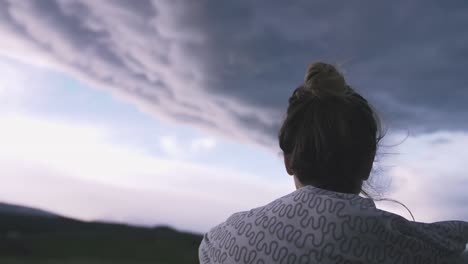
(185, 149)
(170, 146)
(203, 144)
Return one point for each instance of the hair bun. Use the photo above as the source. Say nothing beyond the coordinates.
(323, 79)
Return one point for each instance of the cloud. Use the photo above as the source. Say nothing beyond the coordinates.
(177, 148)
(170, 146)
(229, 67)
(136, 61)
(203, 144)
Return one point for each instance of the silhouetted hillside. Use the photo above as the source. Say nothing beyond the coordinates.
(35, 238)
(23, 210)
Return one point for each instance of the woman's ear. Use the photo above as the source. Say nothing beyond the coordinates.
(287, 165)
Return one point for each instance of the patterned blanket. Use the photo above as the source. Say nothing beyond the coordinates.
(312, 225)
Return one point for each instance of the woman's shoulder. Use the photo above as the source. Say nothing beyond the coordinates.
(310, 219)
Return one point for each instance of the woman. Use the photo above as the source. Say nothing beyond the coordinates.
(329, 139)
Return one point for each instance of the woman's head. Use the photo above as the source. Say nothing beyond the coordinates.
(330, 134)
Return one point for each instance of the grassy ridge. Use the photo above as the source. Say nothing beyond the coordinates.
(27, 239)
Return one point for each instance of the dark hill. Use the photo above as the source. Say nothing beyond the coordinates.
(23, 210)
(41, 238)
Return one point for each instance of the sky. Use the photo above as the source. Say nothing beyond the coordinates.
(166, 112)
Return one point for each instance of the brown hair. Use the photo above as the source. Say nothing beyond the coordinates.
(331, 133)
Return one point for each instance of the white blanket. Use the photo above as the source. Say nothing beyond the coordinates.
(313, 225)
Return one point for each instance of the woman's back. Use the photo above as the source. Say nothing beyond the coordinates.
(313, 225)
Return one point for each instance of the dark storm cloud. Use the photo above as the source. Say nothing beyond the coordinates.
(229, 66)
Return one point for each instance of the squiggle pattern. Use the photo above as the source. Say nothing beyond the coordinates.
(313, 225)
